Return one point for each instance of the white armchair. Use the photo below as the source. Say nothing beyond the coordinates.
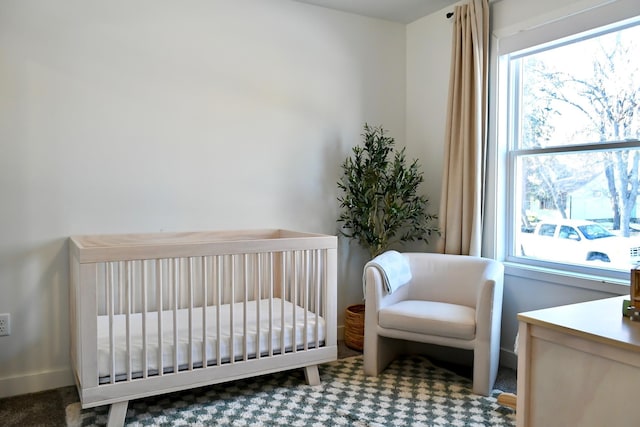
(451, 300)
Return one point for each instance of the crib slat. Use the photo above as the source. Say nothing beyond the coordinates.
(174, 288)
(145, 362)
(128, 279)
(160, 310)
(316, 305)
(205, 283)
(294, 299)
(305, 299)
(245, 306)
(283, 296)
(310, 288)
(218, 289)
(232, 341)
(271, 321)
(121, 291)
(190, 296)
(111, 308)
(258, 298)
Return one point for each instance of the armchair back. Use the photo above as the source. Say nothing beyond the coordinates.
(454, 279)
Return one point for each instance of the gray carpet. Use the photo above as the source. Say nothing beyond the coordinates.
(42, 409)
(410, 392)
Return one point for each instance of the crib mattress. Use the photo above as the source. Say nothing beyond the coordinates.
(247, 340)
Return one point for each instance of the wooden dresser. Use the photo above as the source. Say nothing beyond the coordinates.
(579, 365)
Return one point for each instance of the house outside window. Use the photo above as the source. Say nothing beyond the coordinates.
(572, 131)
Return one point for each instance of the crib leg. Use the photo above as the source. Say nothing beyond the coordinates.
(311, 375)
(117, 414)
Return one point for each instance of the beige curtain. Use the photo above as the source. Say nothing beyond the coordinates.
(461, 203)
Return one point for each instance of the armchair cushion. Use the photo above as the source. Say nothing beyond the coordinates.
(430, 318)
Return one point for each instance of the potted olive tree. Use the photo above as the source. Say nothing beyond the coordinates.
(380, 206)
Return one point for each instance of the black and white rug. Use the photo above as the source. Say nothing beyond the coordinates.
(410, 392)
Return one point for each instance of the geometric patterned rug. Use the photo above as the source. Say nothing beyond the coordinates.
(410, 392)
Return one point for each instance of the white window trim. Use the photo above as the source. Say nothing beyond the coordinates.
(571, 279)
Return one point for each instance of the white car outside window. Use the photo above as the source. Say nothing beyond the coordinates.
(580, 242)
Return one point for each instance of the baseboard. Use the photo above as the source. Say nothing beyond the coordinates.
(341, 332)
(33, 383)
(508, 359)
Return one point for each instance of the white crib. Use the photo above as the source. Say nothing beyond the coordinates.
(157, 313)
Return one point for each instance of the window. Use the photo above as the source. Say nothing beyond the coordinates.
(573, 135)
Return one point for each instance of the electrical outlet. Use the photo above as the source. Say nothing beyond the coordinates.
(5, 324)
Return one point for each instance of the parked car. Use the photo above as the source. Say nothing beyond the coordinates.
(579, 241)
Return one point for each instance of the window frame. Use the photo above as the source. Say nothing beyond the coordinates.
(540, 37)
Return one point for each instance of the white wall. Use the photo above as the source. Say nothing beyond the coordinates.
(428, 63)
(428, 57)
(144, 116)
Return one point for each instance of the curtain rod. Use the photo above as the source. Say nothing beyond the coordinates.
(449, 15)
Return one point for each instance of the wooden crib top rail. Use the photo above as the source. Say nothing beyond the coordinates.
(120, 247)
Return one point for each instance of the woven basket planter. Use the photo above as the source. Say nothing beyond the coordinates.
(354, 327)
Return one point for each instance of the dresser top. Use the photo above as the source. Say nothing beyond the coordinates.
(599, 320)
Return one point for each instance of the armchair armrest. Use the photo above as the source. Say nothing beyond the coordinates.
(376, 297)
(489, 301)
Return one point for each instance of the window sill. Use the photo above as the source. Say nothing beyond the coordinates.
(571, 279)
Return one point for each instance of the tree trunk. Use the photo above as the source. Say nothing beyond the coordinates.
(613, 194)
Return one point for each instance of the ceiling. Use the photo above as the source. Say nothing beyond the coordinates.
(403, 11)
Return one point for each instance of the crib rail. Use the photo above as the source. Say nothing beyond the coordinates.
(151, 306)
